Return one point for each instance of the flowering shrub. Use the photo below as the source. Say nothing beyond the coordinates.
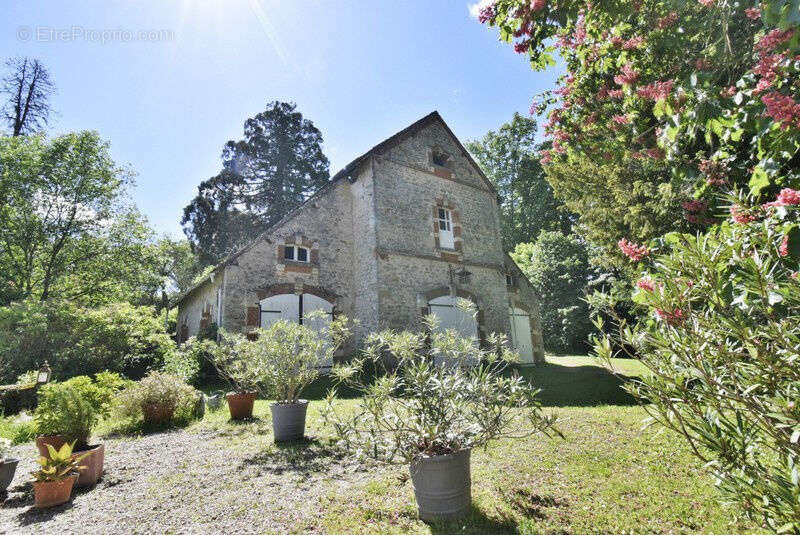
(157, 399)
(722, 342)
(436, 400)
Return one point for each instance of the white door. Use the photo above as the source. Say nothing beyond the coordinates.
(312, 303)
(280, 307)
(293, 308)
(451, 316)
(521, 334)
(445, 222)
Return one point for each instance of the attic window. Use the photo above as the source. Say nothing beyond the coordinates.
(440, 158)
(295, 253)
(510, 282)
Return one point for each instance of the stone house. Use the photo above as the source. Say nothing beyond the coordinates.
(404, 230)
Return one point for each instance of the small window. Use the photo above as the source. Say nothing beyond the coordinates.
(510, 280)
(295, 253)
(440, 158)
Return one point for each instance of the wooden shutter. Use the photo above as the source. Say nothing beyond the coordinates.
(253, 316)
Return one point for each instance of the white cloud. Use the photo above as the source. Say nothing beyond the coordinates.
(475, 9)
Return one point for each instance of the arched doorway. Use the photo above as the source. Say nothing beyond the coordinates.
(295, 308)
(452, 316)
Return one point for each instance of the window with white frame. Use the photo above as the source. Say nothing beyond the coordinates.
(296, 253)
(445, 223)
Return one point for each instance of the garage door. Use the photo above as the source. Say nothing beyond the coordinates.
(451, 316)
(521, 334)
(294, 308)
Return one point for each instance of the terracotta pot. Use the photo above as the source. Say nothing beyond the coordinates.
(241, 405)
(54, 440)
(7, 469)
(95, 455)
(155, 414)
(50, 493)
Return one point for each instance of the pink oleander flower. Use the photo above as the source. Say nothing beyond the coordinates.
(783, 250)
(728, 91)
(633, 42)
(656, 90)
(766, 68)
(536, 5)
(741, 215)
(522, 46)
(707, 3)
(782, 108)
(486, 13)
(621, 119)
(646, 284)
(787, 197)
(617, 40)
(694, 206)
(628, 76)
(616, 93)
(545, 157)
(774, 39)
(714, 172)
(666, 21)
(753, 13)
(671, 317)
(632, 250)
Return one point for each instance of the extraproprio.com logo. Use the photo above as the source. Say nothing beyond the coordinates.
(47, 34)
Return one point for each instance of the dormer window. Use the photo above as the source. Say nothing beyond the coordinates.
(440, 158)
(296, 253)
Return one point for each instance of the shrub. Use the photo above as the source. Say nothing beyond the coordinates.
(558, 267)
(187, 361)
(119, 337)
(283, 359)
(722, 342)
(72, 408)
(158, 399)
(444, 395)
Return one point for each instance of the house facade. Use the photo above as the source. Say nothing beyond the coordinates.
(406, 229)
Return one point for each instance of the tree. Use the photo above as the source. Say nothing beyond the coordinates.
(66, 230)
(558, 267)
(27, 89)
(509, 158)
(270, 172)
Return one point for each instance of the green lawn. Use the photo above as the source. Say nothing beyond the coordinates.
(608, 475)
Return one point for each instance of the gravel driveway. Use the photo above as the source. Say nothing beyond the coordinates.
(230, 479)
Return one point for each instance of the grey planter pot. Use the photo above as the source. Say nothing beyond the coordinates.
(442, 486)
(289, 420)
(7, 470)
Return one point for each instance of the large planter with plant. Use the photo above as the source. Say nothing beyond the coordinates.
(66, 414)
(57, 474)
(158, 400)
(442, 397)
(8, 465)
(279, 362)
(240, 404)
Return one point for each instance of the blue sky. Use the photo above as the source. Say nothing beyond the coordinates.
(360, 70)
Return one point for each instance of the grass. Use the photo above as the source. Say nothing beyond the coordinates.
(609, 475)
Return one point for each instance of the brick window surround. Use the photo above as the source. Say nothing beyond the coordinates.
(294, 266)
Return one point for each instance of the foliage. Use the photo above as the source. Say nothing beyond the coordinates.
(27, 89)
(158, 393)
(5, 447)
(58, 465)
(27, 378)
(444, 395)
(72, 408)
(283, 358)
(75, 340)
(509, 158)
(722, 347)
(66, 229)
(558, 267)
(187, 361)
(264, 176)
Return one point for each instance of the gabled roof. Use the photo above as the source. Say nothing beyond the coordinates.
(348, 172)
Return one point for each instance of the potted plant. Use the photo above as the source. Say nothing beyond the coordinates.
(238, 363)
(442, 397)
(157, 400)
(8, 465)
(68, 411)
(58, 472)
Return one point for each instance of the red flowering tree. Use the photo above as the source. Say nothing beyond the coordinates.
(696, 104)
